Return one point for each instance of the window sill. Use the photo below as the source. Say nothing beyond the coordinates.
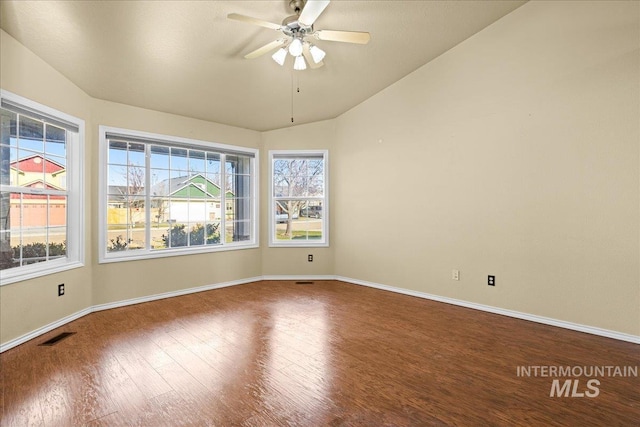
(9, 277)
(290, 244)
(113, 257)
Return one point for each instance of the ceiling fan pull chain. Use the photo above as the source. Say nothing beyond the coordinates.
(291, 96)
(295, 84)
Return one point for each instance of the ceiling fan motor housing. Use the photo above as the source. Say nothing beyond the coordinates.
(297, 28)
(292, 27)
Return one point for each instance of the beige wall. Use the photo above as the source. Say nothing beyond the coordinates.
(514, 154)
(293, 261)
(114, 282)
(29, 305)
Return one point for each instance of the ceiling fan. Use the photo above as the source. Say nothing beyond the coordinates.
(297, 29)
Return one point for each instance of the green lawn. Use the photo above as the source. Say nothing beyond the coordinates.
(300, 235)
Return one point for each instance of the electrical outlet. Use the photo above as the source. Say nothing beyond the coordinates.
(491, 281)
(310, 258)
(455, 274)
(61, 289)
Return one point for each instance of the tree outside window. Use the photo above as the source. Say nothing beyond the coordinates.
(299, 198)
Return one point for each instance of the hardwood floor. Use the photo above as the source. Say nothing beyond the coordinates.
(325, 354)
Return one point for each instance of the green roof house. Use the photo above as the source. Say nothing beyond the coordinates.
(188, 199)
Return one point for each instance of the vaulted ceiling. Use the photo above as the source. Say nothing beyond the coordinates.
(186, 57)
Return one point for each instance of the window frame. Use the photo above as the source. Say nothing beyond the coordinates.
(75, 204)
(324, 242)
(171, 141)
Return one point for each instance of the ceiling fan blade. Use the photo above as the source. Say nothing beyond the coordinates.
(309, 58)
(312, 9)
(343, 36)
(254, 21)
(265, 49)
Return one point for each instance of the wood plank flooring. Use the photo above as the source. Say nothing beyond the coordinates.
(326, 354)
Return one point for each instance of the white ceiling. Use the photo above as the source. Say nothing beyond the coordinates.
(186, 57)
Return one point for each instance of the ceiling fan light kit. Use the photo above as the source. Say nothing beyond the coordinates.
(280, 55)
(299, 64)
(316, 53)
(295, 47)
(296, 28)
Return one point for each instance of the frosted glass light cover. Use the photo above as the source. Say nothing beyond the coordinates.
(316, 53)
(295, 48)
(299, 64)
(280, 56)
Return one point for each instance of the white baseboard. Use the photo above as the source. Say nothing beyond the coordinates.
(172, 294)
(58, 323)
(504, 312)
(299, 277)
(44, 329)
(487, 308)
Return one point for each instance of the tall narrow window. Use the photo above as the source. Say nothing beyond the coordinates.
(167, 196)
(41, 198)
(299, 198)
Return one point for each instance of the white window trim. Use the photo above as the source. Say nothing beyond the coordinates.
(108, 257)
(75, 201)
(325, 216)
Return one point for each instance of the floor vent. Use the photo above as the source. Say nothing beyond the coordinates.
(304, 283)
(55, 340)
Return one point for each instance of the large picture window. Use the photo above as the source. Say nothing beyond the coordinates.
(41, 197)
(299, 198)
(169, 196)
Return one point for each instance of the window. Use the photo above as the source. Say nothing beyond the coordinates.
(162, 196)
(299, 198)
(40, 173)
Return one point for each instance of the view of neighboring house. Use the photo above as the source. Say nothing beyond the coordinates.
(190, 198)
(38, 172)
